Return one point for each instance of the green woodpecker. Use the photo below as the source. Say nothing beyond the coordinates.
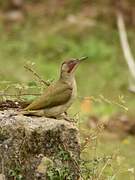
(59, 96)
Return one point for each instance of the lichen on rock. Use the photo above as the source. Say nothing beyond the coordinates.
(37, 147)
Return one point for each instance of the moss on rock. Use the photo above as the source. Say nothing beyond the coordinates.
(27, 142)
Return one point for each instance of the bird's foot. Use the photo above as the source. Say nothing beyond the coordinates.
(69, 119)
(65, 117)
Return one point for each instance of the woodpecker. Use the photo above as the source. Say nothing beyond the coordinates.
(59, 96)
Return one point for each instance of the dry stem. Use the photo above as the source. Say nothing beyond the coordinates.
(36, 74)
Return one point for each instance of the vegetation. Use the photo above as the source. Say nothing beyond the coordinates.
(45, 42)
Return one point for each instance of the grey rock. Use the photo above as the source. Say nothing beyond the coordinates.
(30, 147)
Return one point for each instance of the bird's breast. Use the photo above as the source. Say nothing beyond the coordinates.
(57, 110)
(74, 91)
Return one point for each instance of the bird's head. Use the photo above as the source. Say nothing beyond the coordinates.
(68, 67)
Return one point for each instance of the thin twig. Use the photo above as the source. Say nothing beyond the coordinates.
(2, 168)
(102, 99)
(103, 168)
(85, 143)
(23, 94)
(113, 102)
(35, 74)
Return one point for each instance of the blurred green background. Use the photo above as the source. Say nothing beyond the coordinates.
(48, 32)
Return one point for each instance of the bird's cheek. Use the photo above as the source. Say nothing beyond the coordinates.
(71, 66)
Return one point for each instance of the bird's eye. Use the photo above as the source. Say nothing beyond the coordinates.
(71, 62)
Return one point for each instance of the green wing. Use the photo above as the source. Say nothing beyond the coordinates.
(56, 94)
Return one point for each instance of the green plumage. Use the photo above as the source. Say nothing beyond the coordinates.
(59, 96)
(56, 94)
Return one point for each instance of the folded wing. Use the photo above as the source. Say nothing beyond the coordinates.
(56, 94)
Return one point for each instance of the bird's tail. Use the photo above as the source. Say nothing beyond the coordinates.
(32, 112)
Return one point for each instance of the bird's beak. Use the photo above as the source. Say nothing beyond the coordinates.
(83, 58)
(78, 61)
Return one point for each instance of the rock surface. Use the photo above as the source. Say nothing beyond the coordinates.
(37, 147)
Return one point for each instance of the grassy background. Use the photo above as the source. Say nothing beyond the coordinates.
(105, 72)
(47, 41)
